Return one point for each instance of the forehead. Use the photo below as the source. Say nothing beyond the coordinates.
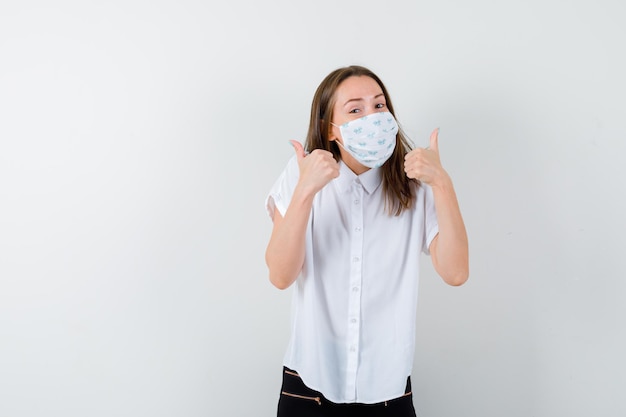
(357, 87)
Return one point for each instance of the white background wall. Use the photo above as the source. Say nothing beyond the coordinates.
(138, 140)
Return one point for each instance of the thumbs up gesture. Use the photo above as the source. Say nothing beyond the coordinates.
(316, 169)
(423, 164)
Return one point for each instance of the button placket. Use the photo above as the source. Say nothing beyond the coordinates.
(354, 302)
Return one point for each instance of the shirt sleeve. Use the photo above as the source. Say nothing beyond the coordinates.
(281, 192)
(431, 226)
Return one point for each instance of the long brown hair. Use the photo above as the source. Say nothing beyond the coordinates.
(399, 189)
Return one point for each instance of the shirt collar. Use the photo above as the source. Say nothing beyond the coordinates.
(370, 179)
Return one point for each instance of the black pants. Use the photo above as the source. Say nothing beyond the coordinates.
(298, 400)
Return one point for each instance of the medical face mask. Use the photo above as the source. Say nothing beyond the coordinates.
(370, 139)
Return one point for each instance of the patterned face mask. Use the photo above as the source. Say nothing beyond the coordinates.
(370, 139)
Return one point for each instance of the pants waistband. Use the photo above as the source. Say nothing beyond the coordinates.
(296, 383)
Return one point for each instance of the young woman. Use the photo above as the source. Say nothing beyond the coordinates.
(352, 211)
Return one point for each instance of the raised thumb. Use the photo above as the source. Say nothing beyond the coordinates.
(434, 140)
(297, 146)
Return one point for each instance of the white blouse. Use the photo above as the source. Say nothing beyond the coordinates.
(354, 303)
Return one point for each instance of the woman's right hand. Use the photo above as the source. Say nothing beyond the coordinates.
(285, 251)
(316, 169)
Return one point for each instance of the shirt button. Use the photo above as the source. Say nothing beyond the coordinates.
(352, 349)
(356, 201)
(357, 229)
(355, 289)
(353, 321)
(355, 259)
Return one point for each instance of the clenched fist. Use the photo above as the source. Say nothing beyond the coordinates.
(423, 164)
(316, 169)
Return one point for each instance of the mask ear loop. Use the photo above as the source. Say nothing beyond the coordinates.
(408, 139)
(410, 142)
(340, 144)
(337, 141)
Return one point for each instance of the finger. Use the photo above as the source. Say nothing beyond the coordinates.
(297, 146)
(434, 140)
(409, 170)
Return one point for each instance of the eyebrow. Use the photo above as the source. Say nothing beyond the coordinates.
(361, 99)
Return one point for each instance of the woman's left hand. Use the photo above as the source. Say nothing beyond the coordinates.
(423, 164)
(449, 249)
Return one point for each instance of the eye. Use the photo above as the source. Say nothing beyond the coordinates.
(380, 105)
(355, 111)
